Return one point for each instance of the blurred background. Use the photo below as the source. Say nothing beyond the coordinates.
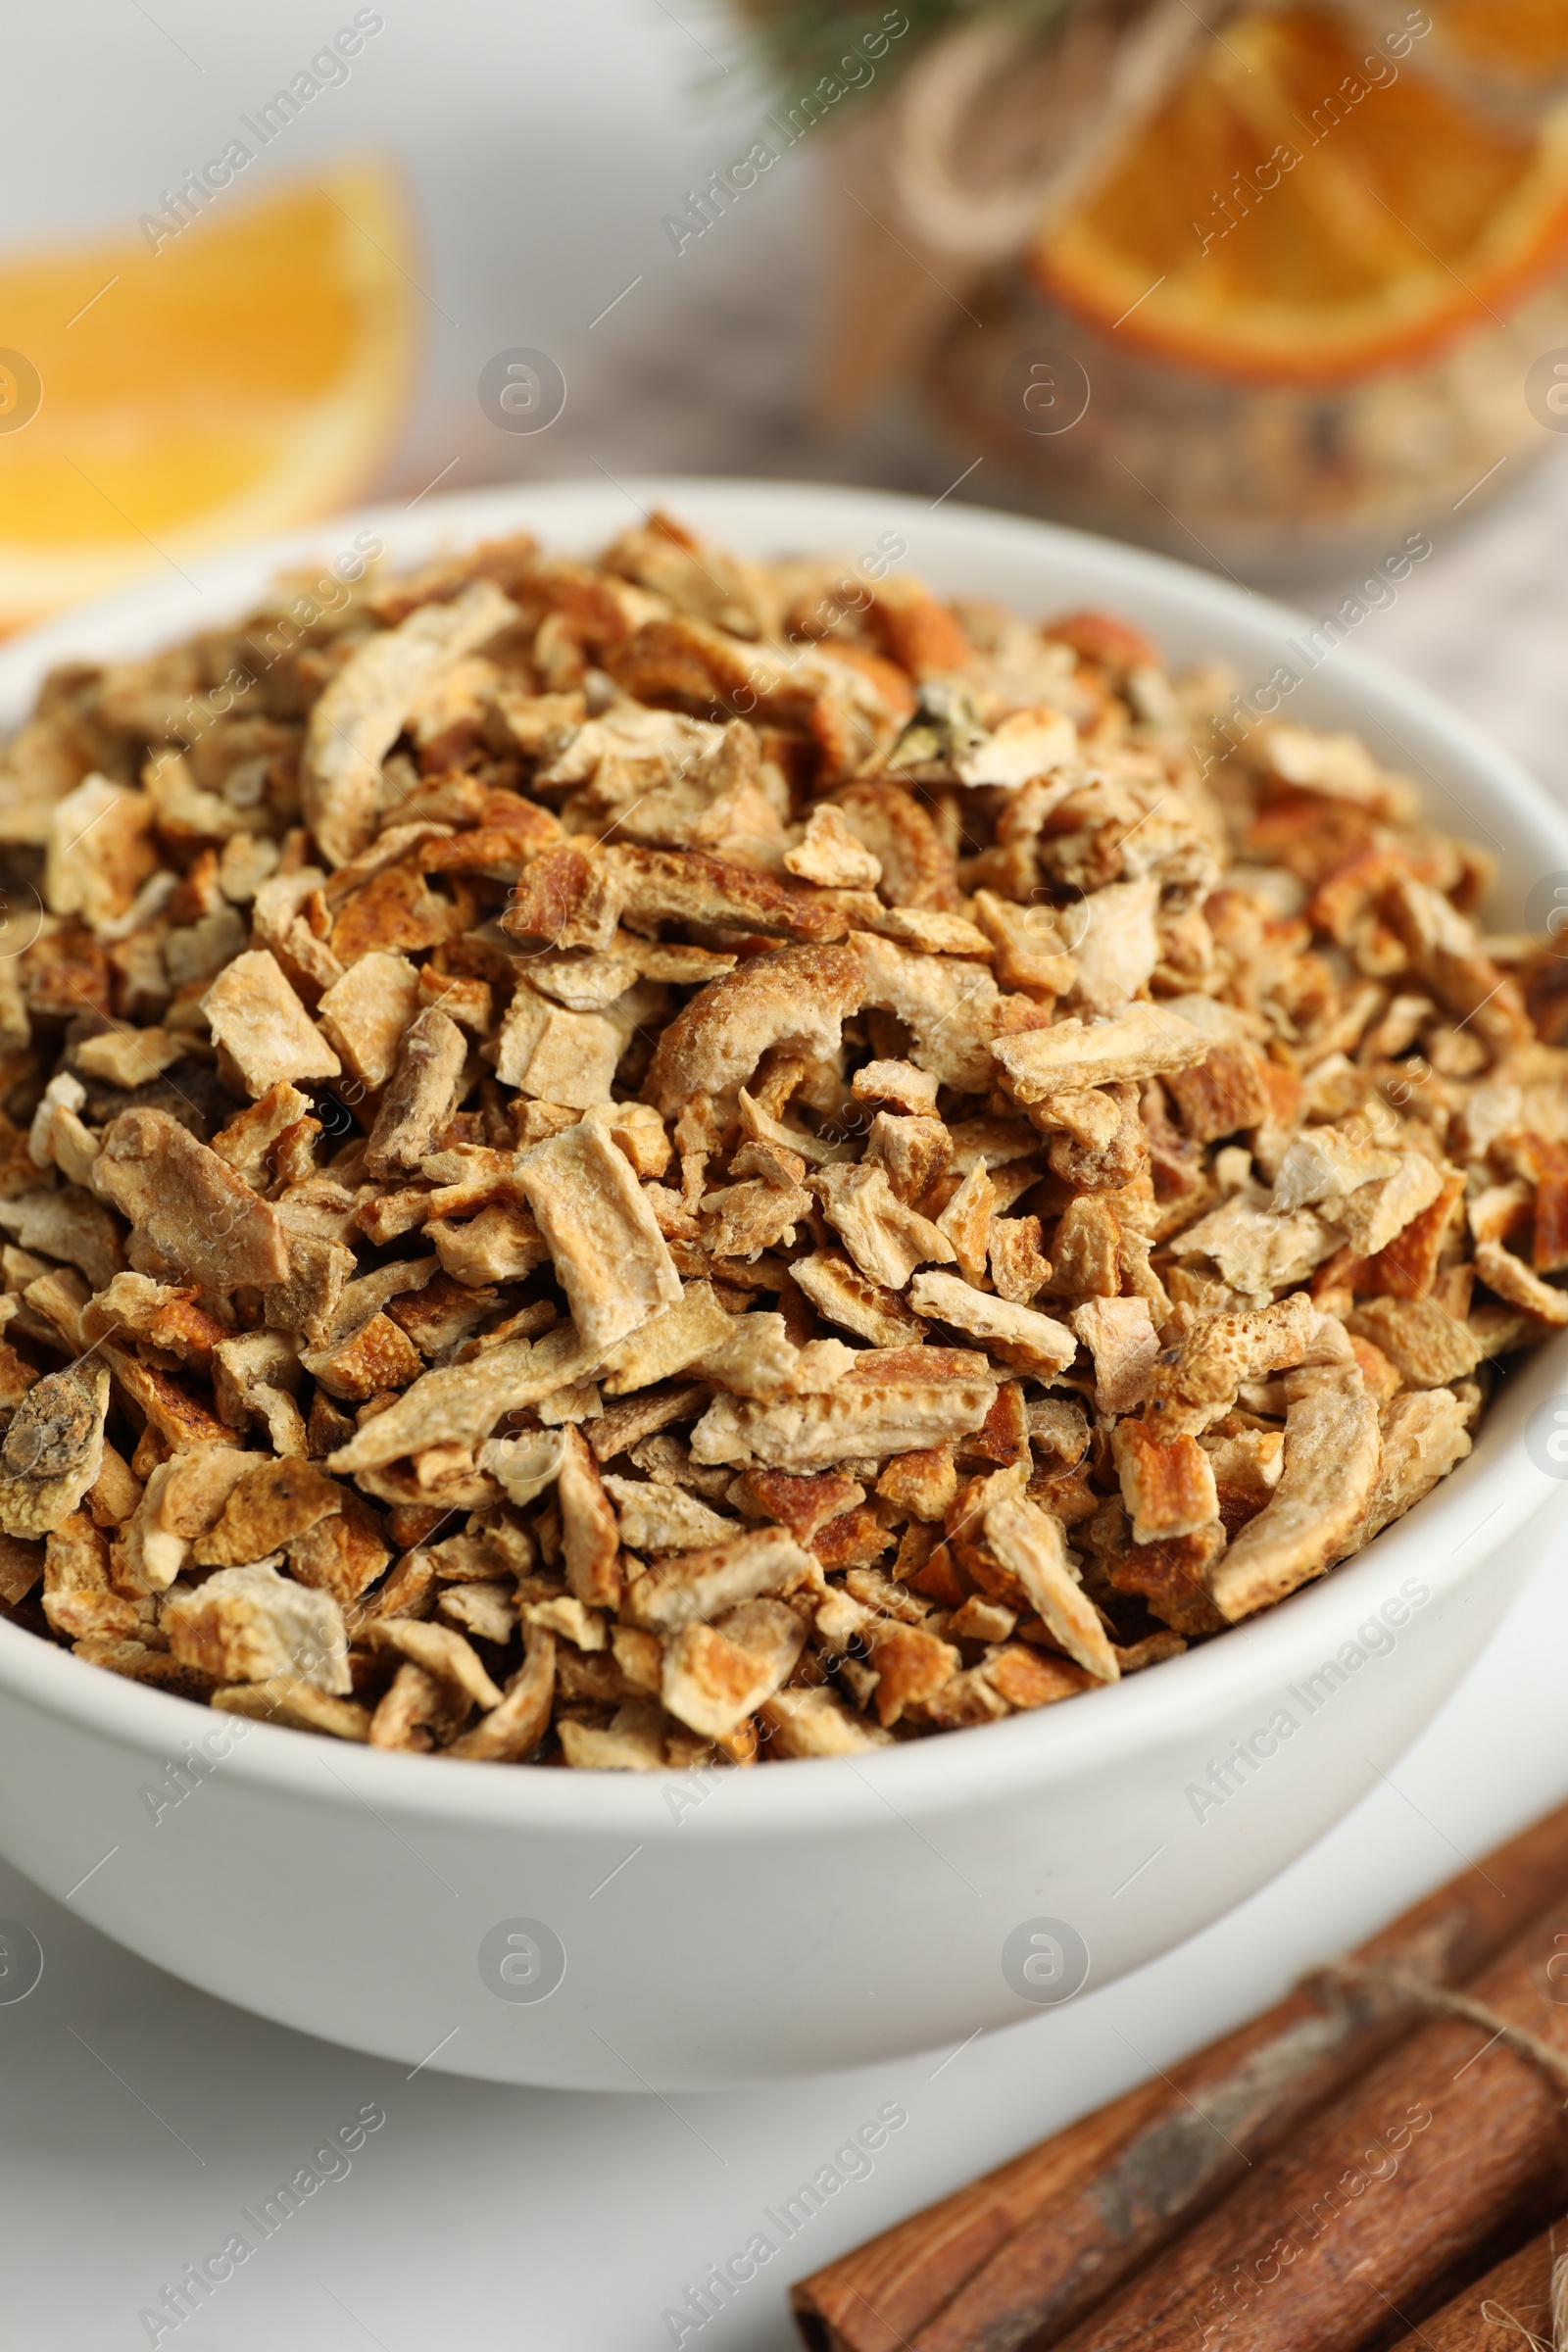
(1275, 288)
(1198, 274)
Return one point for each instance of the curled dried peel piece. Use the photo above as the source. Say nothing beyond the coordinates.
(1321, 1164)
(677, 1590)
(67, 1224)
(250, 1625)
(1020, 1335)
(860, 1418)
(419, 1712)
(1426, 1347)
(1032, 1546)
(625, 1425)
(1377, 1213)
(419, 1099)
(949, 1004)
(367, 1013)
(1333, 1450)
(568, 896)
(967, 1221)
(1223, 1094)
(1424, 1436)
(1025, 743)
(913, 1665)
(886, 1238)
(802, 1504)
(717, 801)
(840, 1292)
(259, 1022)
(183, 1499)
(918, 869)
(655, 1518)
(670, 1341)
(176, 1416)
(829, 854)
(1028, 945)
(1143, 1042)
(1337, 766)
(190, 1211)
(129, 1057)
(557, 1056)
(459, 1404)
(98, 852)
(1513, 1280)
(633, 1740)
(248, 1137)
(1119, 1334)
(268, 1504)
(287, 1698)
(1257, 1251)
(795, 998)
(1168, 1482)
(762, 1128)
(1446, 952)
(1217, 1353)
(590, 1538)
(1115, 945)
(687, 886)
(343, 1553)
(757, 1357)
(571, 1618)
(358, 720)
(513, 1729)
(716, 1675)
(609, 1253)
(928, 928)
(1169, 1578)
(442, 1652)
(1367, 1193)
(818, 1723)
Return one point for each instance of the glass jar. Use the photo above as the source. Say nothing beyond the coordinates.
(1256, 477)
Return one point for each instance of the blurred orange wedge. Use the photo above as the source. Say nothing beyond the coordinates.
(248, 375)
(1294, 214)
(1524, 39)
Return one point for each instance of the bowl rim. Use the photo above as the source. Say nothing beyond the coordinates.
(948, 1771)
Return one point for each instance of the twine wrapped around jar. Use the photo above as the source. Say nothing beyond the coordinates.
(989, 134)
(996, 130)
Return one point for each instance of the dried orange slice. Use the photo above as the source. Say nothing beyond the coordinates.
(247, 375)
(1294, 214)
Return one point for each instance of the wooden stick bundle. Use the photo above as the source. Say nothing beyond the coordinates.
(1019, 2256)
(1378, 2194)
(1519, 2301)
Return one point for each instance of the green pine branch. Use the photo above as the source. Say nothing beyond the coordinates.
(796, 42)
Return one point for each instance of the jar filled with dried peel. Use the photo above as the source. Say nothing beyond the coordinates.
(1319, 297)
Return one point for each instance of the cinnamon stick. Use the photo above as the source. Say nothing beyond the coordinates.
(1509, 2306)
(1380, 2193)
(1020, 2255)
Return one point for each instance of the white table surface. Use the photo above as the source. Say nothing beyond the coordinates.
(138, 2117)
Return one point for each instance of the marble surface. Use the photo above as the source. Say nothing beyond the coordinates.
(138, 2117)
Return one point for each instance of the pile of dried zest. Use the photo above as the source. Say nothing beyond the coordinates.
(639, 1163)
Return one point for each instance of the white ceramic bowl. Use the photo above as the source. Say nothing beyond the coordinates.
(723, 1928)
